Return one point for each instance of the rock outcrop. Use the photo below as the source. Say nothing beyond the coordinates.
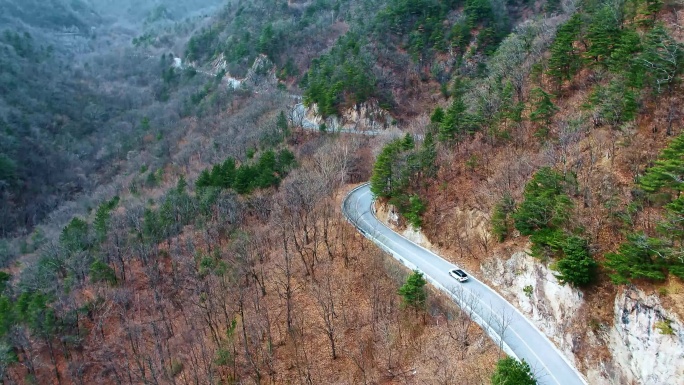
(645, 341)
(364, 117)
(535, 290)
(262, 74)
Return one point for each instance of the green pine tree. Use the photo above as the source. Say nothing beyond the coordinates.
(101, 272)
(285, 162)
(623, 57)
(204, 179)
(75, 235)
(451, 127)
(383, 178)
(565, 60)
(413, 291)
(428, 156)
(437, 116)
(577, 267)
(227, 174)
(545, 203)
(408, 143)
(510, 371)
(640, 257)
(501, 219)
(603, 35)
(101, 222)
(668, 171)
(662, 59)
(416, 208)
(281, 123)
(7, 315)
(543, 107)
(8, 170)
(614, 104)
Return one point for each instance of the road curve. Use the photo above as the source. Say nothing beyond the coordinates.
(501, 320)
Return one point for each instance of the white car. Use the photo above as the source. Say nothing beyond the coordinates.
(459, 275)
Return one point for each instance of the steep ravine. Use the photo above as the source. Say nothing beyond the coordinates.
(633, 350)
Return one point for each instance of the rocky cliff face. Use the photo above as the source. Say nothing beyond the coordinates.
(367, 117)
(389, 215)
(647, 340)
(261, 76)
(534, 289)
(645, 344)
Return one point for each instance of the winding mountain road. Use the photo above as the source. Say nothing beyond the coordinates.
(514, 333)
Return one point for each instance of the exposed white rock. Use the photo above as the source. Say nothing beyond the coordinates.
(416, 236)
(220, 63)
(365, 117)
(233, 82)
(641, 353)
(640, 349)
(389, 215)
(262, 74)
(536, 291)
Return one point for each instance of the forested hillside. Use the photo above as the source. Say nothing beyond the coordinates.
(167, 217)
(617, 76)
(568, 140)
(35, 96)
(621, 70)
(63, 95)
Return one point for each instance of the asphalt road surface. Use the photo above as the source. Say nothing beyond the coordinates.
(514, 333)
